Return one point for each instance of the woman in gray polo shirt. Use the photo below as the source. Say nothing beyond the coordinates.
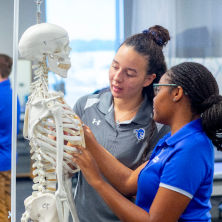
(121, 118)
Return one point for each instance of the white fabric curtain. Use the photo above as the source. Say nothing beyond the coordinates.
(147, 13)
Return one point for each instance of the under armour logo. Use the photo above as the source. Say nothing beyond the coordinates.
(97, 122)
(140, 133)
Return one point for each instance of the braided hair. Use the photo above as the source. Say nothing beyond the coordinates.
(5, 65)
(202, 90)
(150, 44)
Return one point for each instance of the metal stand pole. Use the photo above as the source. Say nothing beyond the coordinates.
(14, 112)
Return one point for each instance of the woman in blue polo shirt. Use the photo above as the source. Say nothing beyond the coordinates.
(176, 183)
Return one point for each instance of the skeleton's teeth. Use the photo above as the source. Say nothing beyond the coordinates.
(64, 66)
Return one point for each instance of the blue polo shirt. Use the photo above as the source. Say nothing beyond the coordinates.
(6, 124)
(183, 162)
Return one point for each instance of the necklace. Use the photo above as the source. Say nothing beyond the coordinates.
(126, 115)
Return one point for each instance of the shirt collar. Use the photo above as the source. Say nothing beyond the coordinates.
(146, 109)
(187, 130)
(105, 102)
(106, 106)
(5, 82)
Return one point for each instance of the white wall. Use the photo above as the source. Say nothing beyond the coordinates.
(27, 17)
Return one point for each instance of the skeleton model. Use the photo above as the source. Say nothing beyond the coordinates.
(49, 125)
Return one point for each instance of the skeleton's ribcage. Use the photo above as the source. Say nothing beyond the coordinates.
(44, 147)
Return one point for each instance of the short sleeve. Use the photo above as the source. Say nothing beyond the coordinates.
(185, 170)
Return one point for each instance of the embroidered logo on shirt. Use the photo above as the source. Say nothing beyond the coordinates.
(140, 133)
(97, 122)
(155, 159)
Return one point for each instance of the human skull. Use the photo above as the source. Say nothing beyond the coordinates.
(48, 40)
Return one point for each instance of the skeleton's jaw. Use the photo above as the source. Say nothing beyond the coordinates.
(60, 69)
(59, 63)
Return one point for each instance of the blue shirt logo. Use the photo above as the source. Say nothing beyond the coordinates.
(140, 133)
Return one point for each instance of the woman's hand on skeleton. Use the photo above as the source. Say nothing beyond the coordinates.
(83, 157)
(90, 139)
(88, 166)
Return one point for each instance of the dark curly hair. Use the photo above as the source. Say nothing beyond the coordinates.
(203, 92)
(150, 44)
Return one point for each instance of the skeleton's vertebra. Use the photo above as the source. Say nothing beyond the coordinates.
(49, 124)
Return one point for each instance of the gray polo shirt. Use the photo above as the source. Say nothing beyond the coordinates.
(126, 141)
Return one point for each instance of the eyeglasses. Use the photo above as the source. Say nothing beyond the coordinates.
(156, 87)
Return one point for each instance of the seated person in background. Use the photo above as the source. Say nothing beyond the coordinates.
(176, 183)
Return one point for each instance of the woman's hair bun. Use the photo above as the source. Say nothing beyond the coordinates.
(159, 35)
(209, 102)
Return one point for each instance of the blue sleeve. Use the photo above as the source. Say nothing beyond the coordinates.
(185, 169)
